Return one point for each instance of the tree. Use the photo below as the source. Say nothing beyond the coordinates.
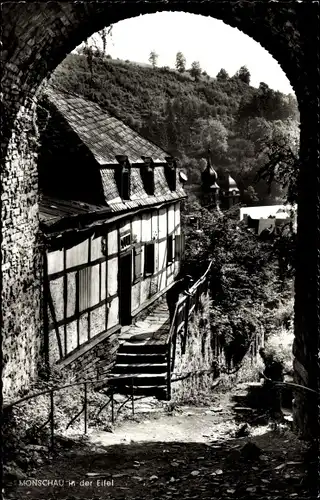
(243, 74)
(263, 87)
(222, 76)
(210, 133)
(153, 58)
(195, 70)
(180, 62)
(247, 290)
(103, 34)
(281, 166)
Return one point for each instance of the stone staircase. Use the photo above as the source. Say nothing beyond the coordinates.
(249, 400)
(140, 367)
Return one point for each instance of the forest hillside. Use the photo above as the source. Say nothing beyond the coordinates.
(186, 112)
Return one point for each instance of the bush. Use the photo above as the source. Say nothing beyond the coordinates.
(23, 424)
(279, 347)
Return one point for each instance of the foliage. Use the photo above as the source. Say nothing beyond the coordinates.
(180, 62)
(23, 424)
(195, 70)
(210, 134)
(279, 347)
(247, 286)
(222, 75)
(243, 74)
(153, 58)
(282, 165)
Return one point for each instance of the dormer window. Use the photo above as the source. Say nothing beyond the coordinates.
(123, 177)
(147, 175)
(170, 173)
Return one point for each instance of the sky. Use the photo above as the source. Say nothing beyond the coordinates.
(207, 40)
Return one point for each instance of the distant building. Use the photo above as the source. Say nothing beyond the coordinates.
(110, 215)
(210, 188)
(268, 219)
(218, 193)
(229, 191)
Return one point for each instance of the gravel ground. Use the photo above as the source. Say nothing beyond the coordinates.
(190, 452)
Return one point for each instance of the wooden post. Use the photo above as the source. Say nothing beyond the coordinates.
(45, 313)
(52, 419)
(169, 371)
(112, 406)
(132, 396)
(186, 318)
(173, 342)
(85, 408)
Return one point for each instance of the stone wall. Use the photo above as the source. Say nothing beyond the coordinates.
(21, 259)
(196, 352)
(95, 363)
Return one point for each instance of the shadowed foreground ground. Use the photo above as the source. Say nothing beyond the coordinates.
(176, 467)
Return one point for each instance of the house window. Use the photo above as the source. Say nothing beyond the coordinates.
(179, 246)
(137, 271)
(125, 241)
(169, 250)
(122, 176)
(149, 259)
(84, 288)
(147, 175)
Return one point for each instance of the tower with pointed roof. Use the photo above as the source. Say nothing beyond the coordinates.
(232, 194)
(210, 188)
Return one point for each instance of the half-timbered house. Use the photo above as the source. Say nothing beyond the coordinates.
(110, 215)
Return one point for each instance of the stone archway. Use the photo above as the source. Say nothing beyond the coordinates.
(36, 38)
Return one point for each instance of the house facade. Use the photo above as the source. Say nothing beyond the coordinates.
(115, 249)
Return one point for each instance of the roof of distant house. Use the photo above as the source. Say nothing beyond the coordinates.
(103, 134)
(263, 212)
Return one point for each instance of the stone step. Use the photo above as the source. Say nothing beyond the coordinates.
(139, 368)
(155, 347)
(147, 390)
(240, 396)
(138, 379)
(254, 385)
(159, 392)
(243, 409)
(136, 358)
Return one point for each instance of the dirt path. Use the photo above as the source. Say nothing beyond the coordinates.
(186, 454)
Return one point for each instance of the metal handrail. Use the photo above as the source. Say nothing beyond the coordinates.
(183, 299)
(172, 329)
(53, 389)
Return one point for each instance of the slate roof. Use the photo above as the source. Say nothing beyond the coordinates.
(102, 133)
(138, 196)
(53, 210)
(107, 137)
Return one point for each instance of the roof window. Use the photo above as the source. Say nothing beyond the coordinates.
(170, 173)
(123, 175)
(147, 175)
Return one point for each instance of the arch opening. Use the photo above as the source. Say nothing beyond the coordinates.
(36, 39)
